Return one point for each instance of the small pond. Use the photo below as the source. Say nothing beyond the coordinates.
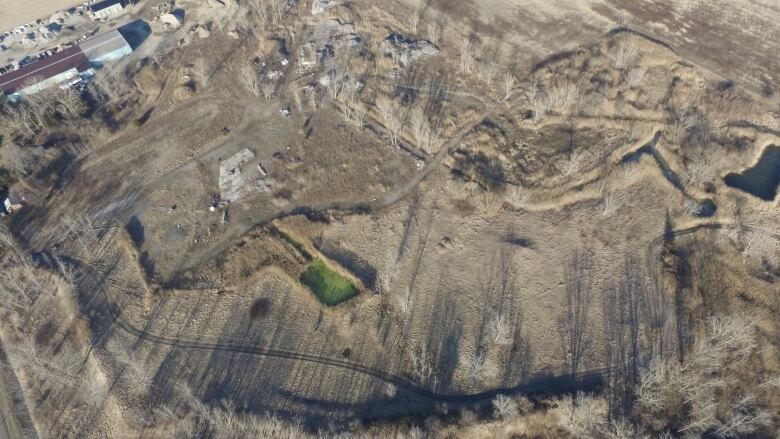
(762, 179)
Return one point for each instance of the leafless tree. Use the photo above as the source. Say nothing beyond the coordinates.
(426, 137)
(420, 362)
(336, 81)
(509, 84)
(414, 20)
(481, 370)
(296, 94)
(486, 70)
(574, 324)
(392, 116)
(277, 10)
(268, 89)
(390, 390)
(250, 78)
(110, 86)
(692, 207)
(313, 96)
(560, 97)
(466, 56)
(609, 202)
(714, 390)
(518, 196)
(433, 32)
(624, 56)
(697, 170)
(572, 165)
(758, 243)
(584, 416)
(200, 71)
(500, 331)
(504, 407)
(629, 171)
(636, 76)
(136, 370)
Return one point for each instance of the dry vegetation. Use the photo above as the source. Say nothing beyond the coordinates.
(548, 251)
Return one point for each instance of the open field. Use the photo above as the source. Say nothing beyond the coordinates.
(17, 12)
(402, 236)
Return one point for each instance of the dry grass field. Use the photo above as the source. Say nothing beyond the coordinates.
(15, 12)
(522, 220)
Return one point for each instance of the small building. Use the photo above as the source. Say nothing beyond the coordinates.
(12, 201)
(106, 47)
(106, 8)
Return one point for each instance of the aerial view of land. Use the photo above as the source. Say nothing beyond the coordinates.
(390, 219)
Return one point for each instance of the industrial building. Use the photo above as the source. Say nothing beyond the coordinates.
(106, 8)
(68, 65)
(56, 69)
(106, 47)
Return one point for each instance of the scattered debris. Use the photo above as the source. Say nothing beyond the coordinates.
(407, 50)
(320, 6)
(285, 111)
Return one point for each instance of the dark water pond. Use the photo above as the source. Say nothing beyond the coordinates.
(762, 179)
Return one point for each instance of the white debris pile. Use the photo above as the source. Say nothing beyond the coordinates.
(171, 20)
(406, 50)
(320, 6)
(326, 40)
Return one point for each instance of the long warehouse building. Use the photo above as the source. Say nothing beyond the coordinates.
(66, 65)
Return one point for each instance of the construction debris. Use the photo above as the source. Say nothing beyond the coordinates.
(320, 6)
(406, 50)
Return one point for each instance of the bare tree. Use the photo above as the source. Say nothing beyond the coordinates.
(518, 196)
(609, 202)
(481, 370)
(420, 362)
(713, 391)
(572, 165)
(487, 70)
(509, 84)
(296, 94)
(697, 170)
(692, 207)
(110, 86)
(466, 56)
(561, 97)
(268, 89)
(504, 407)
(336, 81)
(392, 116)
(433, 32)
(629, 171)
(574, 324)
(414, 20)
(250, 78)
(625, 55)
(200, 70)
(636, 76)
(500, 331)
(313, 96)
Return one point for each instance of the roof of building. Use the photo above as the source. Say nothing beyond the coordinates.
(105, 4)
(103, 44)
(53, 65)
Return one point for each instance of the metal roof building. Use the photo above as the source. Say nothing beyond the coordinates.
(65, 65)
(52, 70)
(106, 8)
(106, 47)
